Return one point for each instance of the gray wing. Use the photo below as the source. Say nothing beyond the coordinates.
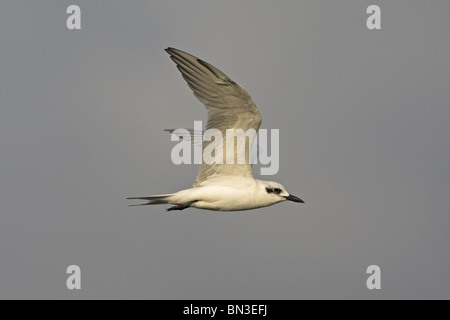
(198, 136)
(229, 107)
(195, 138)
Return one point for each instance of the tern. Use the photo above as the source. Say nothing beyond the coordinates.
(221, 186)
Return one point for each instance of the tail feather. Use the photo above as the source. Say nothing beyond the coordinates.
(159, 199)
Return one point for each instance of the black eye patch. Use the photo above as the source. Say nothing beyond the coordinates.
(276, 190)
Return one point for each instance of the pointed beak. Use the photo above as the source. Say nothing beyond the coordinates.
(293, 198)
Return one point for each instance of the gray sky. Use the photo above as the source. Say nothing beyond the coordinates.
(365, 141)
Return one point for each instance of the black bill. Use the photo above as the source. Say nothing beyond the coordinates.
(294, 198)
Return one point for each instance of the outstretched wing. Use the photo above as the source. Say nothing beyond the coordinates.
(229, 107)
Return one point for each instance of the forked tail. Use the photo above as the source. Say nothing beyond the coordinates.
(159, 199)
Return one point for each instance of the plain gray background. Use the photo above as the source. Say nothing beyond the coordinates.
(365, 141)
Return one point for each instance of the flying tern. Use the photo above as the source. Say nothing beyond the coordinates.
(221, 186)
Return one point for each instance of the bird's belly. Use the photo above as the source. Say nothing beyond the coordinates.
(218, 206)
(239, 196)
(229, 202)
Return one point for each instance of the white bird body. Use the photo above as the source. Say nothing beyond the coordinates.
(221, 186)
(230, 194)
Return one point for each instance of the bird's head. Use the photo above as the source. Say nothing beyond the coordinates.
(275, 192)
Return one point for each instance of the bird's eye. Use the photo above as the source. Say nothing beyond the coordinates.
(277, 190)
